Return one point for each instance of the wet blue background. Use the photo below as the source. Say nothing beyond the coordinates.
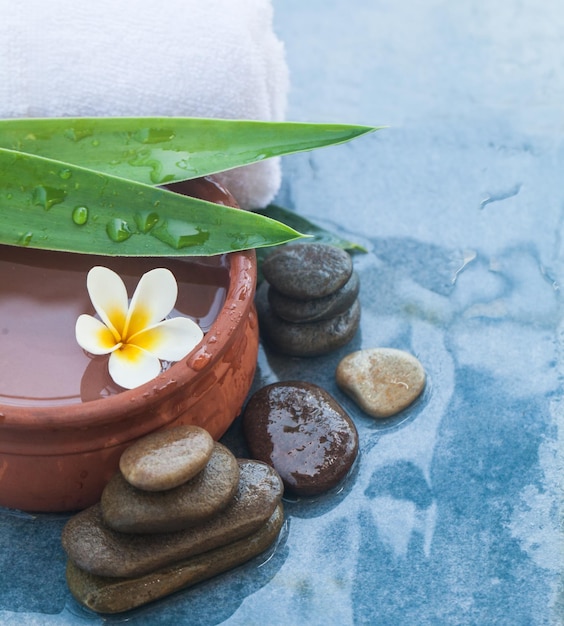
(452, 514)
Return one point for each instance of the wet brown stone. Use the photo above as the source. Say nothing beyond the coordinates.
(303, 432)
(128, 509)
(316, 309)
(307, 270)
(96, 548)
(115, 595)
(382, 381)
(166, 458)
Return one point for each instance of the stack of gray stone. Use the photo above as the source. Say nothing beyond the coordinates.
(308, 304)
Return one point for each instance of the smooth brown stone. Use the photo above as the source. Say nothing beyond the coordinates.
(96, 548)
(307, 270)
(130, 510)
(115, 595)
(316, 309)
(382, 381)
(310, 339)
(304, 433)
(166, 458)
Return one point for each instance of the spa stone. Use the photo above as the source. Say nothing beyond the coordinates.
(308, 339)
(315, 309)
(95, 548)
(303, 432)
(166, 458)
(306, 271)
(382, 381)
(128, 509)
(115, 595)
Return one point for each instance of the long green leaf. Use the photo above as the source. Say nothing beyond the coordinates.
(58, 206)
(303, 225)
(160, 150)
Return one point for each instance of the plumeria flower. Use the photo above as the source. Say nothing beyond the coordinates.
(136, 336)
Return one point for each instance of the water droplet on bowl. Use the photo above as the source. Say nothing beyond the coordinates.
(201, 361)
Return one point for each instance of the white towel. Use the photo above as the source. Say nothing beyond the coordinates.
(200, 58)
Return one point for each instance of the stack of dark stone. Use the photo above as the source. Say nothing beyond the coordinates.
(181, 510)
(308, 304)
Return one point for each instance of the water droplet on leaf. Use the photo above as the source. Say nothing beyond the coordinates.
(80, 215)
(146, 220)
(118, 230)
(76, 134)
(47, 197)
(25, 239)
(156, 162)
(179, 234)
(153, 135)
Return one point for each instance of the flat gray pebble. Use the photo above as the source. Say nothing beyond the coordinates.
(308, 339)
(305, 271)
(316, 309)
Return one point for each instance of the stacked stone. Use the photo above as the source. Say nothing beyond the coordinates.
(308, 304)
(182, 509)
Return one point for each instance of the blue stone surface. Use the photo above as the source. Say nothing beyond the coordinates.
(453, 513)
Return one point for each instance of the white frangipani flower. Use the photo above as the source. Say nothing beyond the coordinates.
(137, 336)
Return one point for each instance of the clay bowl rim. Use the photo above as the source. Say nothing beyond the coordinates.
(239, 299)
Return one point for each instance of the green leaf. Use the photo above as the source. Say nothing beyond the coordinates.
(58, 206)
(161, 150)
(303, 225)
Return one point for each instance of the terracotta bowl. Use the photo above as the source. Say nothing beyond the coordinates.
(59, 458)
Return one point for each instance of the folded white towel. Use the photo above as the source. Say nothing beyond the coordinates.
(200, 58)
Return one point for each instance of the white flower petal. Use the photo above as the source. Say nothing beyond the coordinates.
(170, 340)
(152, 301)
(109, 297)
(131, 366)
(94, 336)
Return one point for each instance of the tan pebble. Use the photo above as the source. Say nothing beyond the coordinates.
(382, 381)
(166, 458)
